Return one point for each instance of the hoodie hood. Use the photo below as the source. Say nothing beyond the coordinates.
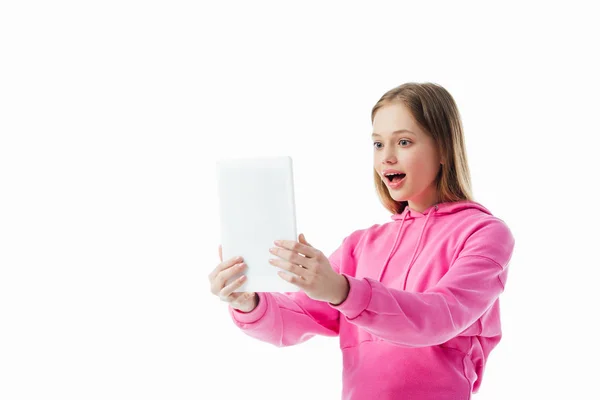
(435, 211)
(449, 207)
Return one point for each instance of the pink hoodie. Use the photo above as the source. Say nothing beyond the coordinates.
(422, 313)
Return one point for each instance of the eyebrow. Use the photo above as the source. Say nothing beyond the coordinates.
(396, 132)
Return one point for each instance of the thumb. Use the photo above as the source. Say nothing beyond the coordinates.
(303, 239)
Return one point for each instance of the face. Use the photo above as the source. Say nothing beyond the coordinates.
(411, 152)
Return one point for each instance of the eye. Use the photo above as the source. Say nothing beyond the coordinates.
(404, 140)
(375, 144)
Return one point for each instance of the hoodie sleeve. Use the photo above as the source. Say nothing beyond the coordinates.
(414, 319)
(286, 319)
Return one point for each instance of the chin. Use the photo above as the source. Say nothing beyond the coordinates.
(398, 197)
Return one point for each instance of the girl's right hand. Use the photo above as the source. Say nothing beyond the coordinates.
(243, 301)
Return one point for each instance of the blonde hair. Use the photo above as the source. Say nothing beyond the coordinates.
(434, 109)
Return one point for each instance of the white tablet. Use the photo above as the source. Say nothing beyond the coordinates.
(257, 207)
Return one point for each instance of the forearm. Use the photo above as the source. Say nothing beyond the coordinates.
(287, 319)
(424, 319)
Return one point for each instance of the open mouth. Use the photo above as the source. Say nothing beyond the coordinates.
(392, 178)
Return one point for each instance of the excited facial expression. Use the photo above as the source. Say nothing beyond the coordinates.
(400, 146)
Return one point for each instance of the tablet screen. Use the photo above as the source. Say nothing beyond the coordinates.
(257, 207)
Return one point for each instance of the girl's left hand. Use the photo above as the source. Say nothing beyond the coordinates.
(315, 275)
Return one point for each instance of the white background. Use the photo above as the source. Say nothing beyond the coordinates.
(113, 114)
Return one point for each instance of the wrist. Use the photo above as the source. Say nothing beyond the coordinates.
(253, 304)
(344, 289)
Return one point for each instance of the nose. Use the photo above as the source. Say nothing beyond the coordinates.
(389, 157)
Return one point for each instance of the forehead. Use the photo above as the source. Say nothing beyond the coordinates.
(394, 119)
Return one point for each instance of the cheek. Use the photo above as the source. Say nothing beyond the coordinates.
(413, 164)
(378, 160)
(419, 168)
(424, 168)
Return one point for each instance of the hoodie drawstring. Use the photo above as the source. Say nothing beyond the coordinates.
(413, 258)
(387, 260)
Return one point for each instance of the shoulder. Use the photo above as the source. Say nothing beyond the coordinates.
(473, 231)
(485, 235)
(481, 223)
(472, 218)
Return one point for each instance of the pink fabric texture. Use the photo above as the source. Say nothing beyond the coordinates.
(422, 314)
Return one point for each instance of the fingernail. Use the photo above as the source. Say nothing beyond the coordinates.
(277, 242)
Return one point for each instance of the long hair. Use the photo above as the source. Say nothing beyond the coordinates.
(434, 109)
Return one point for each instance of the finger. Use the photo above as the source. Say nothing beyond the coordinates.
(293, 268)
(292, 257)
(218, 280)
(301, 283)
(228, 290)
(223, 265)
(228, 264)
(303, 240)
(297, 247)
(229, 273)
(219, 267)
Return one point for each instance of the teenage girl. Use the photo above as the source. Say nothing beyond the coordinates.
(414, 301)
